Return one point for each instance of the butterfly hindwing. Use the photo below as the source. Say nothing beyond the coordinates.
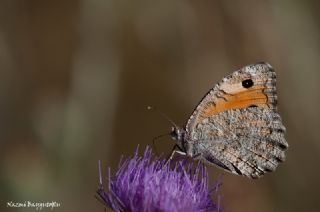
(247, 141)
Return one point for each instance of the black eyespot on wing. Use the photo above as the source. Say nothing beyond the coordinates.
(247, 83)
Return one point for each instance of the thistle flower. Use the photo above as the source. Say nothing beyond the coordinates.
(146, 184)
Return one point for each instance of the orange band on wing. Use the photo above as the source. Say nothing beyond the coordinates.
(251, 97)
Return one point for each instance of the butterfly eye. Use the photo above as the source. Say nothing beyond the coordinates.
(173, 132)
(247, 83)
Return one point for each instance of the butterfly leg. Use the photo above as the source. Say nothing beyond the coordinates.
(174, 151)
(196, 156)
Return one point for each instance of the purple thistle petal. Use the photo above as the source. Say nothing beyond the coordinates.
(146, 184)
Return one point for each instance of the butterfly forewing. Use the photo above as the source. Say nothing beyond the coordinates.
(251, 86)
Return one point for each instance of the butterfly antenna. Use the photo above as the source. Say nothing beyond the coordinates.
(163, 115)
(157, 138)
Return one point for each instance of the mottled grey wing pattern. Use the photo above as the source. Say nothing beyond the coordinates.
(247, 141)
(236, 126)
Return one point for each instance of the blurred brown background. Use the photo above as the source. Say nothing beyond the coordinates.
(76, 77)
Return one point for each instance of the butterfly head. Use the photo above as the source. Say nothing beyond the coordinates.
(177, 134)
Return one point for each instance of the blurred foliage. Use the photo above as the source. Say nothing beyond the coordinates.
(76, 77)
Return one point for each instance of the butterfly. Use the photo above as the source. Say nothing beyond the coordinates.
(236, 125)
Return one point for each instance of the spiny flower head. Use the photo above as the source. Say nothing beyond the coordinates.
(149, 184)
